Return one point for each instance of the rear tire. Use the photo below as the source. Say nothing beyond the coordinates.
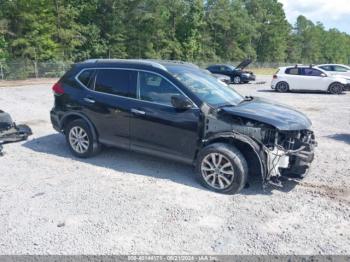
(336, 88)
(80, 139)
(222, 168)
(282, 87)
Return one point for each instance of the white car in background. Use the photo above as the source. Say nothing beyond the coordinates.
(307, 78)
(336, 69)
(339, 70)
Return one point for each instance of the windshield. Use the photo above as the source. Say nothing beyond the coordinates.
(206, 86)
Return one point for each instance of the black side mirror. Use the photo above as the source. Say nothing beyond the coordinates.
(181, 102)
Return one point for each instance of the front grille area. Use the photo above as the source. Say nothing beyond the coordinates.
(288, 140)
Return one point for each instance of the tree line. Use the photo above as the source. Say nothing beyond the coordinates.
(192, 30)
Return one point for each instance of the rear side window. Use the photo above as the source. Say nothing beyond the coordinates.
(327, 68)
(116, 82)
(213, 68)
(292, 71)
(86, 76)
(311, 72)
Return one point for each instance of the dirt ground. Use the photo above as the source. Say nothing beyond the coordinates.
(126, 203)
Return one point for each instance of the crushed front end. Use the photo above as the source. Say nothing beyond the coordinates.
(289, 153)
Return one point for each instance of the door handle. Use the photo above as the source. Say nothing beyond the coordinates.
(89, 100)
(137, 112)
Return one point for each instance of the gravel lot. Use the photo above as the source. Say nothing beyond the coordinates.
(123, 203)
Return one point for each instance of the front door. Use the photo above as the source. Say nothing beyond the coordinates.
(156, 126)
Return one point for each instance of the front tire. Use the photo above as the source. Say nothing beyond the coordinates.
(336, 88)
(80, 139)
(237, 80)
(222, 168)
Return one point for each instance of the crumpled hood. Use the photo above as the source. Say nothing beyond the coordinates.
(269, 112)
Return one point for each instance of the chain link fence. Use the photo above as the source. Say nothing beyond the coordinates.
(30, 69)
(20, 70)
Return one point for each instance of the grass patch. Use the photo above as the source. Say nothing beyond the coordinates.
(263, 71)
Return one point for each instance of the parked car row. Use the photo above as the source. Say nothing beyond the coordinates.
(311, 78)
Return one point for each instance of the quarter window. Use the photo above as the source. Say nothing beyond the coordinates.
(154, 88)
(85, 77)
(292, 71)
(116, 82)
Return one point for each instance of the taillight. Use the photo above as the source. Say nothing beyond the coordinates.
(58, 89)
(274, 76)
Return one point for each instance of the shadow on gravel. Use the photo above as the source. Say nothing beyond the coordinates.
(341, 137)
(140, 164)
(119, 160)
(255, 186)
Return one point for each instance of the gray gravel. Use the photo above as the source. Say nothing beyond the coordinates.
(123, 203)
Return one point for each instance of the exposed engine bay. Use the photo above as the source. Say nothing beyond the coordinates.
(281, 152)
(10, 132)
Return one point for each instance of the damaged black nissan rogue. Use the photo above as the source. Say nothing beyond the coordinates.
(178, 111)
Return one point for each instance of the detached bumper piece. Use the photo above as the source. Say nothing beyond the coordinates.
(10, 132)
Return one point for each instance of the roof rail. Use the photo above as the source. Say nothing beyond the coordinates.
(175, 62)
(143, 61)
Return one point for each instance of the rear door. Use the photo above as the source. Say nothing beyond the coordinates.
(107, 104)
(156, 126)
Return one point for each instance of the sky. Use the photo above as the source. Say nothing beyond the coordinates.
(331, 13)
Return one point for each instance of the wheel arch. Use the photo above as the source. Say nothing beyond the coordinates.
(333, 83)
(69, 117)
(250, 149)
(283, 81)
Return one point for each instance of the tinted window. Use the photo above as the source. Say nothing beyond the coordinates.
(292, 71)
(327, 68)
(206, 87)
(311, 72)
(155, 88)
(85, 77)
(224, 69)
(116, 82)
(340, 69)
(212, 68)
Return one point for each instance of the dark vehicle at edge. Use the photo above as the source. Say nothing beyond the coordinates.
(178, 111)
(237, 74)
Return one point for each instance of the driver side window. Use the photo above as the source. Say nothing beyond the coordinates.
(154, 88)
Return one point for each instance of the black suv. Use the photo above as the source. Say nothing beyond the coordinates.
(237, 74)
(179, 111)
